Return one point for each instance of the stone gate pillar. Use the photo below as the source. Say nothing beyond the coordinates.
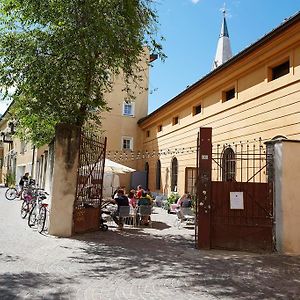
(66, 148)
(287, 191)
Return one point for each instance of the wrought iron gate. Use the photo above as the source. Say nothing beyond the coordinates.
(237, 211)
(87, 205)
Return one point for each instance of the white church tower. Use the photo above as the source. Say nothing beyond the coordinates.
(223, 49)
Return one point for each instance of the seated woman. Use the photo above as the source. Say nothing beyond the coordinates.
(144, 201)
(186, 201)
(132, 199)
(120, 200)
(184, 208)
(176, 205)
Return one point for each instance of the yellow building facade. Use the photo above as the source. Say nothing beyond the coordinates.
(252, 98)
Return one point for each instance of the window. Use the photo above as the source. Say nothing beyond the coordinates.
(197, 110)
(158, 174)
(128, 109)
(228, 95)
(228, 165)
(159, 128)
(174, 175)
(147, 174)
(23, 147)
(148, 133)
(175, 120)
(190, 180)
(127, 143)
(280, 70)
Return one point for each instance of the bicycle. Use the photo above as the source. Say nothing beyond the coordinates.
(38, 213)
(11, 193)
(29, 197)
(41, 220)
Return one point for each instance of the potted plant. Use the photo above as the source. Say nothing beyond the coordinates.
(9, 179)
(173, 197)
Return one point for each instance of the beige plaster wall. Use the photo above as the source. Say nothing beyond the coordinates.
(115, 124)
(287, 192)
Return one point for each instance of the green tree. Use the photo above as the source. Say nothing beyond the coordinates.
(57, 56)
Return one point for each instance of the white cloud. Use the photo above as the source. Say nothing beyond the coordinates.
(195, 1)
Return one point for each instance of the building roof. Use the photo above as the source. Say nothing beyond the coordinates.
(224, 30)
(287, 23)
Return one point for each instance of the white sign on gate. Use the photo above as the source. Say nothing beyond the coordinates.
(236, 200)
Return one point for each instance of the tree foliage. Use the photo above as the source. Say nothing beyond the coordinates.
(58, 56)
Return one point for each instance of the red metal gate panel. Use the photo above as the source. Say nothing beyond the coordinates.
(87, 205)
(250, 228)
(246, 170)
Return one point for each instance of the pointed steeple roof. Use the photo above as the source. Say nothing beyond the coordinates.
(223, 49)
(224, 29)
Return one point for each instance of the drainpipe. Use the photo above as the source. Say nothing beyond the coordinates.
(32, 163)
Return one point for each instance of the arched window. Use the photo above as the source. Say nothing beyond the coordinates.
(158, 174)
(174, 174)
(147, 174)
(279, 137)
(228, 165)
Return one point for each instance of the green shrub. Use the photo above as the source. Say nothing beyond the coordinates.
(173, 197)
(9, 179)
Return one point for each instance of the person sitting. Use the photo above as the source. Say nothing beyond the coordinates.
(176, 205)
(121, 200)
(139, 192)
(186, 201)
(132, 200)
(144, 201)
(185, 205)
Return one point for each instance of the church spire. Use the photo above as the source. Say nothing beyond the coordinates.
(223, 49)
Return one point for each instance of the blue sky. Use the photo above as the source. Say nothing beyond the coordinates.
(191, 29)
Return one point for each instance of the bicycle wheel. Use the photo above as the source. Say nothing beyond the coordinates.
(24, 209)
(11, 194)
(41, 219)
(32, 216)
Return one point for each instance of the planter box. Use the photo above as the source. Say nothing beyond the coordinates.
(86, 219)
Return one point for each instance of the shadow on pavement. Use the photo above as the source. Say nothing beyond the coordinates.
(171, 258)
(31, 285)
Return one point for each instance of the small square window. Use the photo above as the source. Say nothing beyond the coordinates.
(159, 128)
(127, 143)
(128, 109)
(197, 110)
(23, 147)
(175, 120)
(280, 70)
(228, 95)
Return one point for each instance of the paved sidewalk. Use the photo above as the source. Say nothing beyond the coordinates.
(137, 263)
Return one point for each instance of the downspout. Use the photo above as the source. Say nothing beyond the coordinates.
(32, 163)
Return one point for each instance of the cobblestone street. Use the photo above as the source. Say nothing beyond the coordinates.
(137, 263)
